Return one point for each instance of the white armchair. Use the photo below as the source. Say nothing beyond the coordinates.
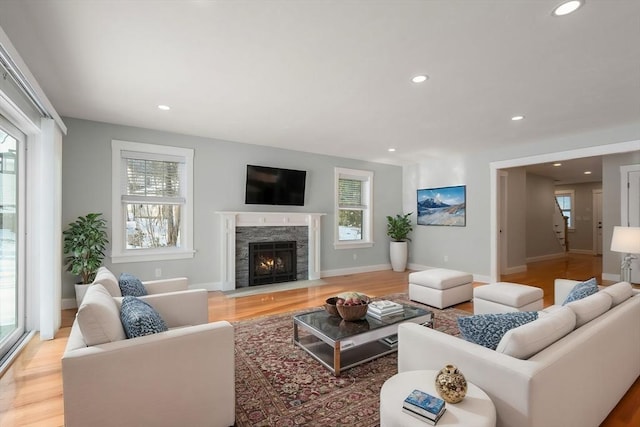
(182, 377)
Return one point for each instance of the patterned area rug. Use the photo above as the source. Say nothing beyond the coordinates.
(278, 384)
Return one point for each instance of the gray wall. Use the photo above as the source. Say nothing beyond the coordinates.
(516, 218)
(468, 248)
(540, 237)
(219, 179)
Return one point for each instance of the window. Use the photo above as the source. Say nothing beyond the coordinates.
(354, 190)
(152, 202)
(12, 247)
(565, 199)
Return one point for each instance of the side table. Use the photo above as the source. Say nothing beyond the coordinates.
(475, 410)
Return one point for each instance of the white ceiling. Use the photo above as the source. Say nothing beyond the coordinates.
(570, 171)
(334, 77)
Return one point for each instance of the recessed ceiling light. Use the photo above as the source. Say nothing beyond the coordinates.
(164, 107)
(567, 7)
(587, 172)
(391, 150)
(516, 118)
(557, 164)
(419, 79)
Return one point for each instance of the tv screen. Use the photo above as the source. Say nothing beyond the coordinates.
(274, 186)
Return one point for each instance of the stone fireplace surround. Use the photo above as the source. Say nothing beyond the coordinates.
(230, 221)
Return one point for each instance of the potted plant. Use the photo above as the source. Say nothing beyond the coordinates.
(85, 241)
(398, 228)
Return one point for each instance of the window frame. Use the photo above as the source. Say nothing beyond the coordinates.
(119, 251)
(367, 208)
(572, 197)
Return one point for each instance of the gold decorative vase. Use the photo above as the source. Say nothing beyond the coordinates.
(451, 384)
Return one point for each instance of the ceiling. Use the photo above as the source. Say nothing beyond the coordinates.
(334, 76)
(570, 171)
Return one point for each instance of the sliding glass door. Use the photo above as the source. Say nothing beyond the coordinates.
(12, 288)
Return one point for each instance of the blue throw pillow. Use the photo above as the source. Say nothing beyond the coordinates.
(581, 290)
(139, 318)
(487, 329)
(131, 285)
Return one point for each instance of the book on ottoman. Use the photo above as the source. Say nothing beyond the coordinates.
(423, 418)
(424, 404)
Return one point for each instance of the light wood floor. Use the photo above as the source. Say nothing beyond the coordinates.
(31, 389)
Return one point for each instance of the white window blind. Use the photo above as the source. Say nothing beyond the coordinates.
(354, 190)
(152, 180)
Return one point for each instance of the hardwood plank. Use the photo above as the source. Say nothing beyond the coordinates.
(31, 389)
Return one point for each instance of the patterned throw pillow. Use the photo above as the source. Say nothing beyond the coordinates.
(581, 290)
(487, 329)
(139, 318)
(131, 285)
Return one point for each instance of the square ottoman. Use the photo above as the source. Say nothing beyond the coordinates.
(504, 297)
(440, 287)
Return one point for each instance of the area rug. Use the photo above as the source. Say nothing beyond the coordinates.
(278, 384)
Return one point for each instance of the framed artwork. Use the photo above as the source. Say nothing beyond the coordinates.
(443, 206)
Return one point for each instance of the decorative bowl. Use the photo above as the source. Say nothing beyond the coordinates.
(330, 306)
(352, 312)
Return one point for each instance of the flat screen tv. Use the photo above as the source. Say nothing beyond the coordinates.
(274, 186)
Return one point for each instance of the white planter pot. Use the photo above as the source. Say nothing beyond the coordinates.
(398, 252)
(80, 291)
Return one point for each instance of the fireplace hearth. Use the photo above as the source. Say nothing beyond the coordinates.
(272, 262)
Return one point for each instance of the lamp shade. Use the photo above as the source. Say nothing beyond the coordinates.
(626, 240)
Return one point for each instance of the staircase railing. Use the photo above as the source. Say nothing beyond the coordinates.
(561, 226)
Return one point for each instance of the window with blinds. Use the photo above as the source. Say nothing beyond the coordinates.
(153, 197)
(152, 200)
(353, 198)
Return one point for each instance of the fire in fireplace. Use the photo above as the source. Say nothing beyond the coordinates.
(272, 262)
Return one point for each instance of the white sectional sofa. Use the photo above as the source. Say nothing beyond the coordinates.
(181, 377)
(573, 382)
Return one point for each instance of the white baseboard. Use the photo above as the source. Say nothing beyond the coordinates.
(547, 257)
(481, 278)
(211, 286)
(516, 269)
(582, 251)
(418, 267)
(68, 303)
(355, 270)
(612, 277)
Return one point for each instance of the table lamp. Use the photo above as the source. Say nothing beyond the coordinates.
(627, 241)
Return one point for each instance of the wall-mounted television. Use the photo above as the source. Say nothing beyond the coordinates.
(274, 186)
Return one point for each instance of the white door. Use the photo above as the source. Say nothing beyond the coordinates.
(630, 207)
(597, 222)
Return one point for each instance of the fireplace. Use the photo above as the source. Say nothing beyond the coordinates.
(238, 229)
(272, 262)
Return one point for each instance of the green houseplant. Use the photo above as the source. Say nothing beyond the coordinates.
(85, 241)
(398, 228)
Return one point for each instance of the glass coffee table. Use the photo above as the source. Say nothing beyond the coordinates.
(340, 345)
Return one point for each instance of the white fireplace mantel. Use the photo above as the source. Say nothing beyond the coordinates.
(231, 220)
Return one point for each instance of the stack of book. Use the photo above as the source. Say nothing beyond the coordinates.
(424, 406)
(380, 309)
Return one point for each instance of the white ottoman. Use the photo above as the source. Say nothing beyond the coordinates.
(504, 297)
(440, 287)
(475, 410)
